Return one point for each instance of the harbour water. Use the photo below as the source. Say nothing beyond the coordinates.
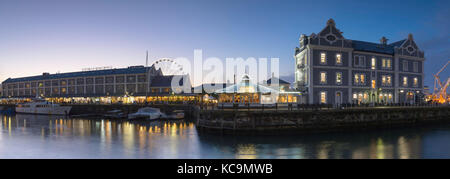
(37, 136)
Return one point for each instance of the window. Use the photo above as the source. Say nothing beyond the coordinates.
(362, 61)
(356, 61)
(338, 59)
(323, 58)
(323, 97)
(386, 63)
(373, 63)
(405, 81)
(386, 80)
(374, 84)
(323, 77)
(355, 96)
(416, 81)
(416, 66)
(338, 78)
(362, 78)
(405, 65)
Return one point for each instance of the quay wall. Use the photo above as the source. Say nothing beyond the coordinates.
(100, 109)
(318, 120)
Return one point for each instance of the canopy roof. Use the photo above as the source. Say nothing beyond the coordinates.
(245, 86)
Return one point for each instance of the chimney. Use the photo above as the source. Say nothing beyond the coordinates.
(331, 22)
(410, 37)
(45, 74)
(383, 40)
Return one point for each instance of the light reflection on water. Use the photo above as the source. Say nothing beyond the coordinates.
(36, 136)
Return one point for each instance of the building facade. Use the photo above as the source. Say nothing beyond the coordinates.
(132, 84)
(331, 69)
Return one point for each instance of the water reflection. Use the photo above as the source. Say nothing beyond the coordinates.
(36, 136)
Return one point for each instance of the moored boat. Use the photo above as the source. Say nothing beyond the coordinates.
(146, 113)
(43, 107)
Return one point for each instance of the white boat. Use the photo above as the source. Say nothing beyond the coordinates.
(43, 107)
(147, 113)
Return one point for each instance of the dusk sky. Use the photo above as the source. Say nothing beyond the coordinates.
(67, 35)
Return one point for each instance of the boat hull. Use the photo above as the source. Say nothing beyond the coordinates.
(59, 110)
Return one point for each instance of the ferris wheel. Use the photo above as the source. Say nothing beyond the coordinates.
(169, 67)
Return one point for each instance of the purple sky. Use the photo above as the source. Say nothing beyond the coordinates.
(68, 35)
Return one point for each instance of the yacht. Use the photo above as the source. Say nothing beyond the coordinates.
(147, 113)
(43, 107)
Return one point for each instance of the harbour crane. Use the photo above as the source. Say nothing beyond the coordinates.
(440, 90)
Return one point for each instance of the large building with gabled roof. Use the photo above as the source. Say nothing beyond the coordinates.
(332, 69)
(131, 84)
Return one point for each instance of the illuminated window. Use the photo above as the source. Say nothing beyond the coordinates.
(355, 96)
(374, 84)
(405, 81)
(386, 80)
(373, 63)
(323, 58)
(338, 59)
(360, 97)
(338, 78)
(363, 78)
(356, 79)
(323, 77)
(390, 96)
(323, 97)
(366, 96)
(416, 81)
(386, 63)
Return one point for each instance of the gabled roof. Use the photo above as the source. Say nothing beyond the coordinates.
(165, 81)
(129, 70)
(398, 43)
(280, 81)
(372, 47)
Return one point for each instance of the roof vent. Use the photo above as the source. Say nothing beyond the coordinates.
(45, 74)
(138, 66)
